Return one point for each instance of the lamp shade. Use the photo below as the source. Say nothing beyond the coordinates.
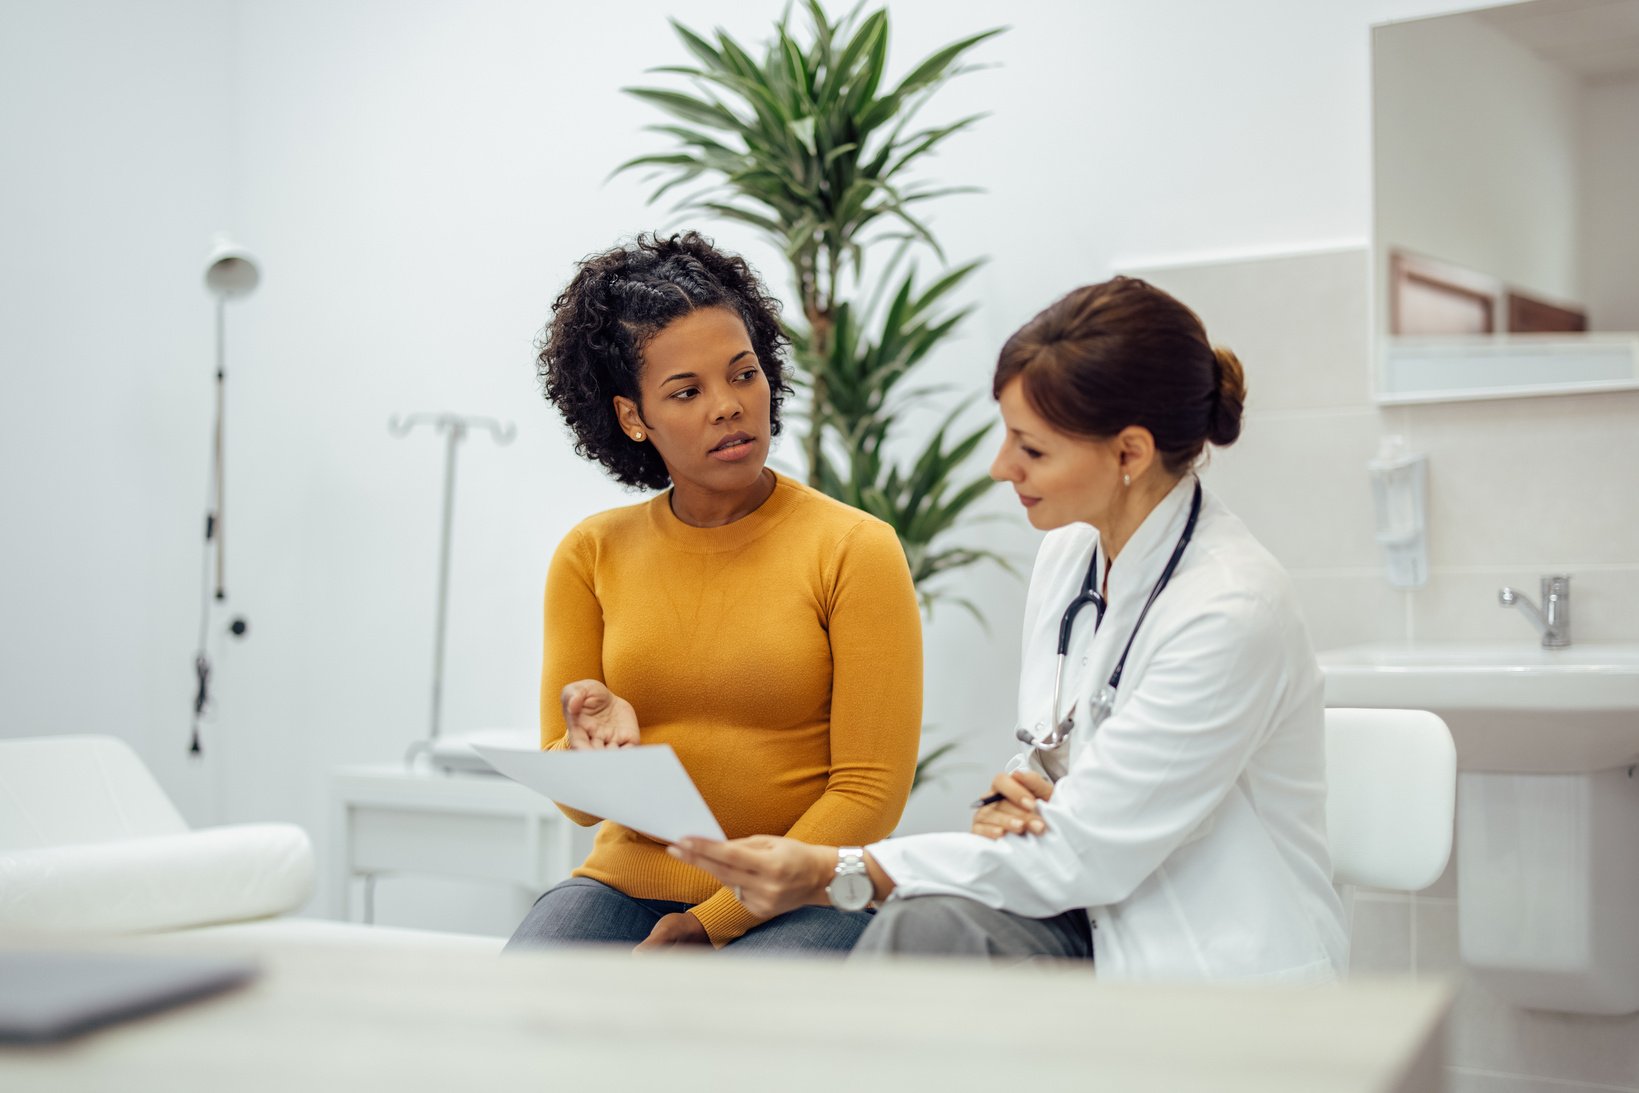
(230, 270)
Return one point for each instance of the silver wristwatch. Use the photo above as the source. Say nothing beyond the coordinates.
(850, 889)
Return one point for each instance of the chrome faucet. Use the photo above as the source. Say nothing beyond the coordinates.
(1553, 622)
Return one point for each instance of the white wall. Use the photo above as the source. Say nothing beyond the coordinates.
(1477, 143)
(1610, 196)
(115, 128)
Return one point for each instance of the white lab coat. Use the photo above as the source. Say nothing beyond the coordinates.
(1191, 826)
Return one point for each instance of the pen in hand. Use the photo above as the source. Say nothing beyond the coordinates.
(992, 798)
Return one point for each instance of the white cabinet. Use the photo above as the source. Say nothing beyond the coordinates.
(394, 819)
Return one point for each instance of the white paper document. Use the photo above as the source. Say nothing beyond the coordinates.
(645, 788)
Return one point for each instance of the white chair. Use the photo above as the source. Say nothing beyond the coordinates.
(89, 842)
(1391, 797)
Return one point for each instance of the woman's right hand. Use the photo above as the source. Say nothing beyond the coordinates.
(1015, 813)
(597, 717)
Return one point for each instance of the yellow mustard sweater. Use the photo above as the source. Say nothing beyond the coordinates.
(780, 656)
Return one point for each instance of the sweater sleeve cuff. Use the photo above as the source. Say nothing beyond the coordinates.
(723, 917)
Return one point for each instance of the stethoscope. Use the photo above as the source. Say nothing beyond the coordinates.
(1105, 702)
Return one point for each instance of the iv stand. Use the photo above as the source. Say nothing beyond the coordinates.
(215, 532)
(230, 272)
(218, 502)
(454, 427)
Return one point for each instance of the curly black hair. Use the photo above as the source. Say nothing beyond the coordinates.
(592, 348)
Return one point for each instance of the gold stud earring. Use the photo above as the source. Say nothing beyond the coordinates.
(638, 436)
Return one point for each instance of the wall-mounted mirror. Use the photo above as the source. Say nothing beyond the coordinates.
(1506, 201)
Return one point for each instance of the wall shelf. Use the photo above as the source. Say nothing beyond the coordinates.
(1445, 369)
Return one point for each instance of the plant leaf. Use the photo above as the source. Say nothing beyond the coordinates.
(803, 145)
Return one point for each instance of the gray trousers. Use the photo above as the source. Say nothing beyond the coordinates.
(957, 926)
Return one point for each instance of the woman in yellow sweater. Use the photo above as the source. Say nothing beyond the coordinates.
(766, 632)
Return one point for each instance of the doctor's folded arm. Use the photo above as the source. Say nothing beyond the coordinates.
(1165, 814)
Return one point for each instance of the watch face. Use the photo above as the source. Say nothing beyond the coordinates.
(850, 891)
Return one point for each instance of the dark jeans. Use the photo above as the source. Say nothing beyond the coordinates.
(957, 926)
(582, 911)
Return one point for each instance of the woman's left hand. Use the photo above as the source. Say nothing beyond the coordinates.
(770, 875)
(681, 928)
(596, 717)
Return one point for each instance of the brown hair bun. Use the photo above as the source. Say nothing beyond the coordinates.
(1224, 423)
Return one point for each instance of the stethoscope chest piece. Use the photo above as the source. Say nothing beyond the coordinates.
(1102, 707)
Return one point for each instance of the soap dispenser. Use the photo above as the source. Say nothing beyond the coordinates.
(1400, 490)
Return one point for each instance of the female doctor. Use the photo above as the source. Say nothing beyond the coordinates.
(1167, 806)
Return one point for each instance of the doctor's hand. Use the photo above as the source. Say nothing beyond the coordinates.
(1016, 812)
(681, 928)
(597, 717)
(770, 875)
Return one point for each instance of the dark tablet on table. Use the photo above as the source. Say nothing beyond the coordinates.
(49, 995)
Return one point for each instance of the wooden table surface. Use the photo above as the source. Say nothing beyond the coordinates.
(404, 1019)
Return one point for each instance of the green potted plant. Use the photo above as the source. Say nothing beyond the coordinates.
(808, 146)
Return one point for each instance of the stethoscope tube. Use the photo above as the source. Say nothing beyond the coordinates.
(1059, 732)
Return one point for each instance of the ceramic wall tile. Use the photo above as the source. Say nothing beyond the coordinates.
(1487, 1033)
(1434, 937)
(1524, 481)
(1300, 484)
(1458, 605)
(1380, 935)
(1349, 609)
(1604, 601)
(1461, 605)
(1298, 324)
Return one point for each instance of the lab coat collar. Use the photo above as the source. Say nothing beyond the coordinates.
(1140, 562)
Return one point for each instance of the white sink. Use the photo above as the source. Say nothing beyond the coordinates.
(1546, 877)
(1515, 707)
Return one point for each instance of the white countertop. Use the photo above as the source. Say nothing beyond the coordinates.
(407, 1019)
